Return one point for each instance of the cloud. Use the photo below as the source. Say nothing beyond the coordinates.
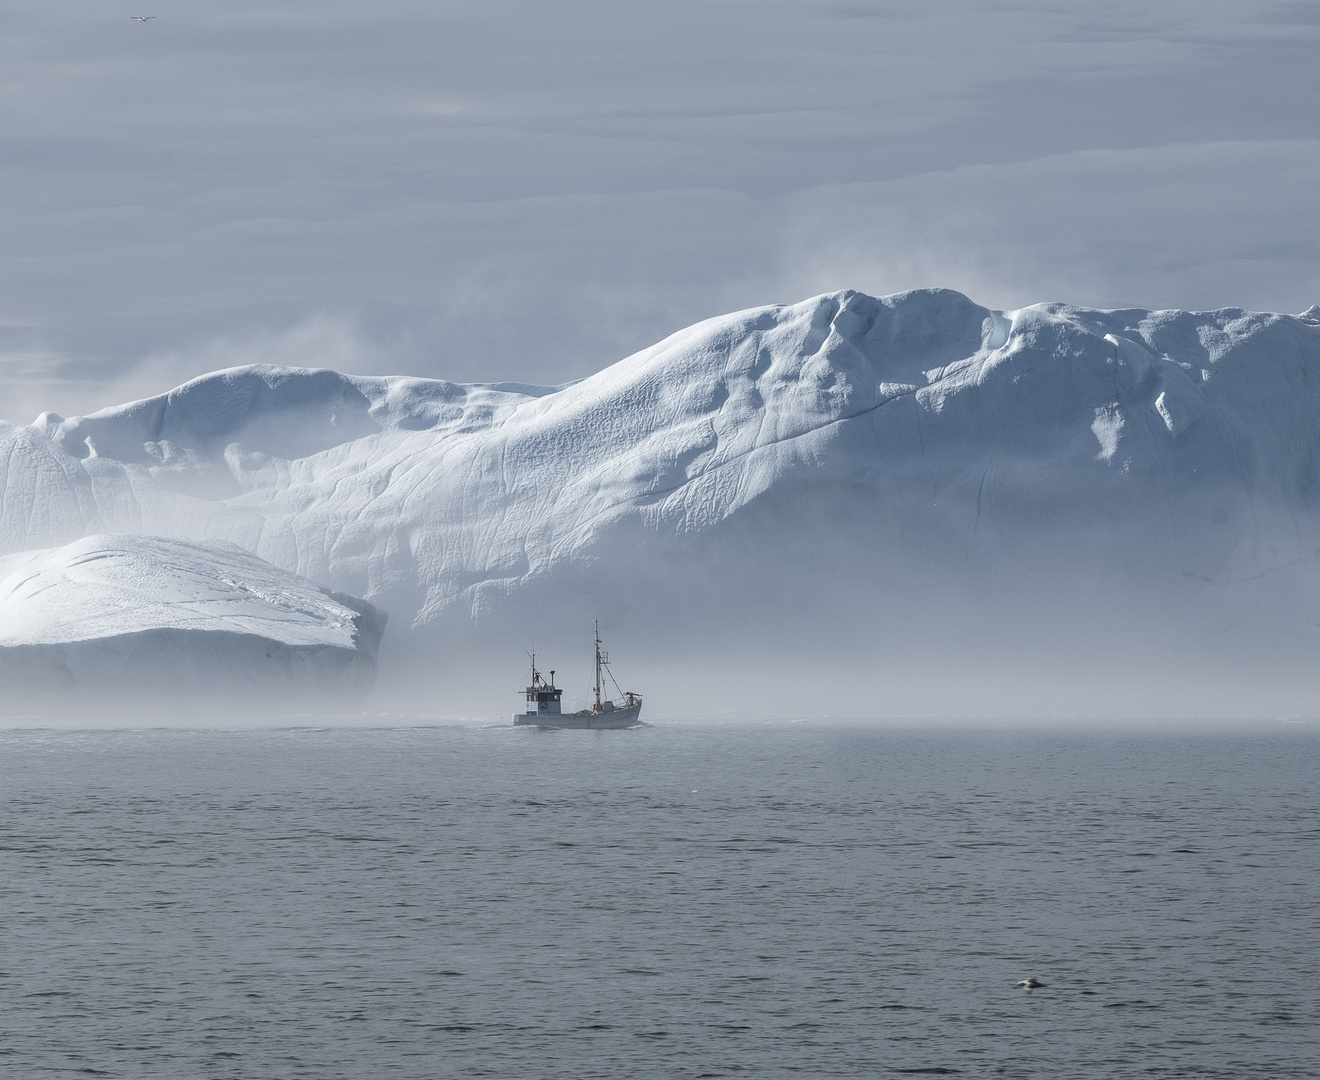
(1194, 226)
(530, 191)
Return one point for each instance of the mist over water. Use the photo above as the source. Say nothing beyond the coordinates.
(682, 900)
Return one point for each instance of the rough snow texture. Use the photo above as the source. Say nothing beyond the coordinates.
(860, 445)
(155, 614)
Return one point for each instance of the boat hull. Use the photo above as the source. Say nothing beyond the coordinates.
(624, 717)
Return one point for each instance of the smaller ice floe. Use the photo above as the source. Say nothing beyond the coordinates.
(159, 617)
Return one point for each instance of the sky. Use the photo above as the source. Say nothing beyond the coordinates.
(530, 190)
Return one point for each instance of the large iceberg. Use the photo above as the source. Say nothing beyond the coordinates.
(914, 482)
(155, 617)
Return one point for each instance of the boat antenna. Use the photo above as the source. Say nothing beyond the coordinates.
(597, 687)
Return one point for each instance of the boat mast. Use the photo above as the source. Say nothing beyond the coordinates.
(597, 624)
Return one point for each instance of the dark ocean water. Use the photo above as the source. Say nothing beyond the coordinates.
(675, 901)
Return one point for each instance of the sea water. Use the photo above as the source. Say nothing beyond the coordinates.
(681, 900)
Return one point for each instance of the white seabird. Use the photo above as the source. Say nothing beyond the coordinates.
(1029, 984)
(141, 18)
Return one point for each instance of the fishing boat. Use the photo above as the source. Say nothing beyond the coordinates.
(543, 701)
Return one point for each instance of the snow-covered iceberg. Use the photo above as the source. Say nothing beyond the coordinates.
(913, 477)
(159, 617)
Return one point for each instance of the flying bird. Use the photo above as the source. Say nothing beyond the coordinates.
(1029, 984)
(141, 18)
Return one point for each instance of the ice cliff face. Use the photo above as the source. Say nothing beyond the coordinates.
(150, 614)
(827, 461)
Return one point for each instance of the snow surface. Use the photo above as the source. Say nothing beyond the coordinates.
(151, 612)
(849, 461)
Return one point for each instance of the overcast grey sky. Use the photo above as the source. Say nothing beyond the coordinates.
(533, 189)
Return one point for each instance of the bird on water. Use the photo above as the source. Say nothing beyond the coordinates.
(1029, 984)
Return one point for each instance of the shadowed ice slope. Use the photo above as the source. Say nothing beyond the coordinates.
(914, 482)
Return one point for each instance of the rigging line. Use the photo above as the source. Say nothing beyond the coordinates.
(615, 681)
